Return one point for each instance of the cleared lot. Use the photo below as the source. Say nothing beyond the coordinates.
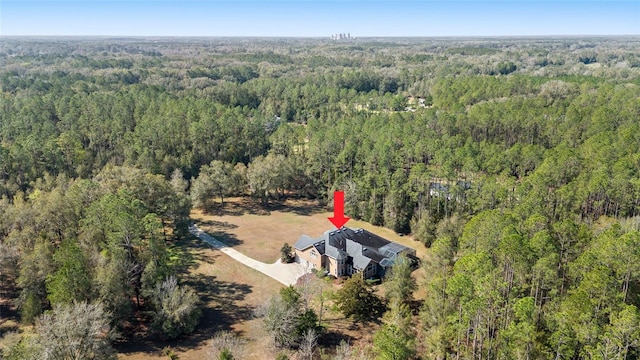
(260, 232)
(231, 291)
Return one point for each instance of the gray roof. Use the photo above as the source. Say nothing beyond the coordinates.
(320, 247)
(334, 252)
(367, 239)
(360, 261)
(304, 242)
(359, 244)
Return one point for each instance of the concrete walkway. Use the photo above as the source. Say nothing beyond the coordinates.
(286, 274)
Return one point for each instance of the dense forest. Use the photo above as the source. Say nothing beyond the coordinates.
(516, 161)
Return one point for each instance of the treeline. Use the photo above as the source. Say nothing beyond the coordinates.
(583, 137)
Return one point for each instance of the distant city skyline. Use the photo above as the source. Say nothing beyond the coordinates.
(311, 18)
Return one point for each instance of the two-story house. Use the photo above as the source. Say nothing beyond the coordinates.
(346, 251)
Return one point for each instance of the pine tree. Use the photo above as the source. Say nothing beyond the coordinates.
(395, 340)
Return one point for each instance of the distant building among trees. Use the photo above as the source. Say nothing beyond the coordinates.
(341, 36)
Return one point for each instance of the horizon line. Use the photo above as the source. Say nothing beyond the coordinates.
(319, 36)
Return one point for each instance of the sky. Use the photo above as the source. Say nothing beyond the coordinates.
(315, 18)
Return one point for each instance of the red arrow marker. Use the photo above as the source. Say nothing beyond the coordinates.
(338, 218)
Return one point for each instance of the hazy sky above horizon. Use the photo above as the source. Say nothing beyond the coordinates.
(319, 18)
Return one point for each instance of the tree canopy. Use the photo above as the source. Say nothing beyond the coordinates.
(516, 161)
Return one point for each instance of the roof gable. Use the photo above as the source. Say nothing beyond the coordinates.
(304, 242)
(336, 253)
(360, 261)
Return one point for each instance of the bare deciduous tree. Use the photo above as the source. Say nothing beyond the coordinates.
(314, 292)
(225, 345)
(279, 321)
(77, 331)
(308, 345)
(343, 351)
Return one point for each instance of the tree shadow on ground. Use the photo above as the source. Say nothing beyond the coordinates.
(247, 205)
(223, 225)
(8, 318)
(298, 208)
(340, 322)
(189, 259)
(230, 240)
(239, 207)
(333, 338)
(225, 296)
(220, 310)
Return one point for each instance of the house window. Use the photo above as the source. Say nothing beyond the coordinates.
(314, 254)
(370, 268)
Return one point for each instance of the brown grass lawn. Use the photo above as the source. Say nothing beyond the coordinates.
(260, 232)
